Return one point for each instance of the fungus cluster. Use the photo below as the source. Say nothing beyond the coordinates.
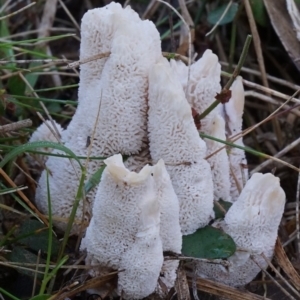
(136, 103)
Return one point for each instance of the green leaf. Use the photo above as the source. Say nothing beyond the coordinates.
(33, 77)
(16, 85)
(259, 12)
(34, 145)
(208, 242)
(36, 236)
(22, 255)
(94, 180)
(215, 15)
(218, 211)
(41, 297)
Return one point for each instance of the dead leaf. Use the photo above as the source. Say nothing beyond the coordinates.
(181, 285)
(283, 26)
(286, 265)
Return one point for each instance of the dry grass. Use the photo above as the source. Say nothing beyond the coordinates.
(268, 74)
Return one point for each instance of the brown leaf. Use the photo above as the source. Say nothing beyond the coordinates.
(286, 265)
(225, 291)
(283, 26)
(181, 285)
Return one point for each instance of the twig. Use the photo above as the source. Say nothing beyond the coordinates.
(269, 77)
(191, 35)
(24, 61)
(47, 19)
(297, 217)
(225, 291)
(15, 126)
(271, 277)
(279, 275)
(89, 59)
(42, 105)
(248, 130)
(4, 6)
(69, 14)
(269, 99)
(171, 25)
(36, 273)
(247, 149)
(261, 64)
(21, 188)
(150, 10)
(23, 196)
(220, 19)
(176, 56)
(17, 11)
(222, 262)
(278, 155)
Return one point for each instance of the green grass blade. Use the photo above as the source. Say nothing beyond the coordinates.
(44, 39)
(58, 88)
(4, 292)
(55, 270)
(45, 281)
(7, 147)
(247, 149)
(43, 144)
(60, 101)
(94, 180)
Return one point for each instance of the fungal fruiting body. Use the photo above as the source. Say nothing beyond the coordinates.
(201, 90)
(112, 100)
(170, 231)
(96, 35)
(125, 228)
(137, 161)
(46, 132)
(203, 86)
(143, 260)
(234, 110)
(123, 114)
(174, 138)
(252, 222)
(218, 159)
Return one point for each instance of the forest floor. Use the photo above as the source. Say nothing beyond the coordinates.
(39, 41)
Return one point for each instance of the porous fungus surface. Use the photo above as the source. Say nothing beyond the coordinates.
(252, 222)
(174, 138)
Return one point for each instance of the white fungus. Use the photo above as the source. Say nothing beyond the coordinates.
(125, 228)
(234, 110)
(116, 87)
(174, 138)
(137, 161)
(252, 222)
(143, 260)
(219, 162)
(201, 89)
(170, 231)
(203, 84)
(43, 133)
